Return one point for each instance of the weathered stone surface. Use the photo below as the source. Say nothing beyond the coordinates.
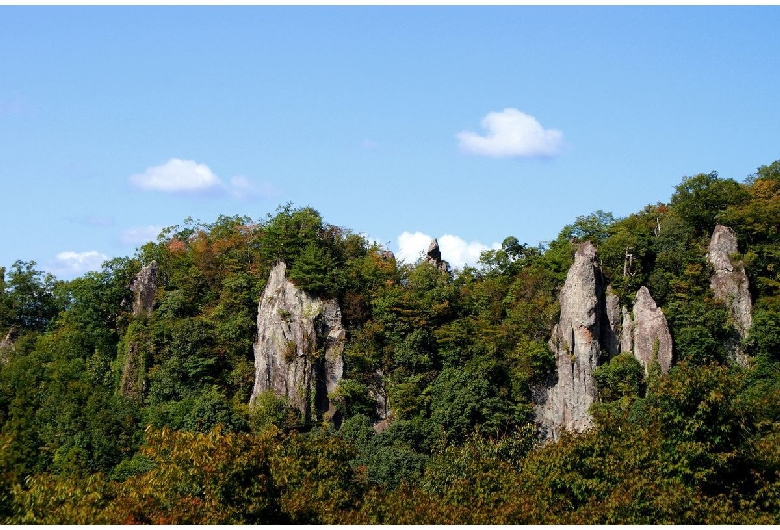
(144, 287)
(300, 341)
(722, 244)
(651, 337)
(433, 256)
(626, 331)
(612, 324)
(8, 343)
(10, 338)
(730, 284)
(563, 404)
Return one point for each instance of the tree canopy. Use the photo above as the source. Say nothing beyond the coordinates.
(109, 417)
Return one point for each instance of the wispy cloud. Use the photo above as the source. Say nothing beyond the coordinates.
(457, 251)
(512, 133)
(177, 175)
(139, 235)
(71, 264)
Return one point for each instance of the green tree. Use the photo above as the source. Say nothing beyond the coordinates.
(699, 199)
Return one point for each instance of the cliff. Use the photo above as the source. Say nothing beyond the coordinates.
(592, 329)
(564, 402)
(730, 284)
(298, 351)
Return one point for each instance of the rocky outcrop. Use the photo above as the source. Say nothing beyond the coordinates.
(144, 287)
(626, 331)
(564, 402)
(650, 340)
(10, 338)
(7, 344)
(433, 256)
(592, 328)
(299, 347)
(730, 284)
(613, 326)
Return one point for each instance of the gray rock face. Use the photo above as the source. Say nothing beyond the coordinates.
(730, 284)
(300, 341)
(144, 287)
(7, 344)
(593, 327)
(563, 404)
(433, 256)
(10, 338)
(651, 339)
(612, 330)
(627, 331)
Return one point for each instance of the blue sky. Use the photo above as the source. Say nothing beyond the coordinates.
(468, 124)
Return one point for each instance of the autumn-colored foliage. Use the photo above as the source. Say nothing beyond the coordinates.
(111, 418)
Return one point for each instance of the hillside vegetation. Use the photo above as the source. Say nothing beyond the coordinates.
(457, 353)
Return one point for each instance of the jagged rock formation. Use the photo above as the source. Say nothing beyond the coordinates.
(564, 402)
(144, 287)
(613, 327)
(647, 335)
(593, 328)
(300, 341)
(730, 284)
(433, 256)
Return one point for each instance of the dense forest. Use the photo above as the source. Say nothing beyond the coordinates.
(113, 416)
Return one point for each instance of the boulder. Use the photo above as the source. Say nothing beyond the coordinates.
(299, 346)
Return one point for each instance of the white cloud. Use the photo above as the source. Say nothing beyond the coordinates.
(457, 251)
(140, 234)
(512, 133)
(177, 175)
(71, 264)
(187, 176)
(411, 247)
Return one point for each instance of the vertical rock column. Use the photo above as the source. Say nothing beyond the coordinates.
(563, 404)
(144, 288)
(652, 341)
(730, 284)
(300, 341)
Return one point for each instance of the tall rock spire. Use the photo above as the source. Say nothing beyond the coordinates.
(730, 284)
(563, 404)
